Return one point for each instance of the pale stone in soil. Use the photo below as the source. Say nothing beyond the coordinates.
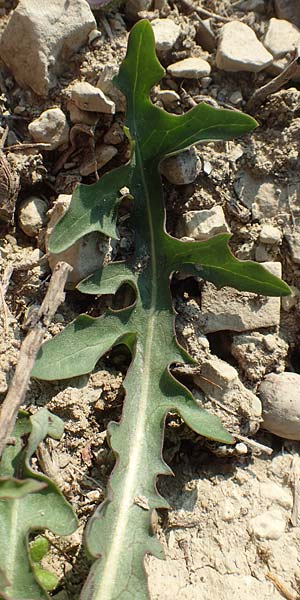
(240, 50)
(81, 116)
(238, 311)
(182, 168)
(293, 240)
(40, 37)
(270, 234)
(220, 380)
(92, 99)
(280, 396)
(51, 128)
(190, 68)
(281, 37)
(103, 154)
(168, 97)
(166, 34)
(203, 224)
(269, 526)
(105, 83)
(32, 215)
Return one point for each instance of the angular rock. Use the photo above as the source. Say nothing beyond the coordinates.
(293, 240)
(270, 525)
(280, 396)
(190, 68)
(103, 154)
(270, 234)
(289, 10)
(115, 135)
(239, 311)
(203, 224)
(240, 50)
(182, 168)
(81, 116)
(32, 215)
(281, 37)
(169, 98)
(220, 380)
(262, 196)
(92, 99)
(166, 34)
(105, 83)
(40, 37)
(85, 256)
(51, 128)
(258, 354)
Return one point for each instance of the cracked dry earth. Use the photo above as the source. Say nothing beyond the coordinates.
(233, 530)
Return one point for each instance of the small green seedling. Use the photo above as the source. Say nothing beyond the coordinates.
(38, 549)
(29, 502)
(119, 535)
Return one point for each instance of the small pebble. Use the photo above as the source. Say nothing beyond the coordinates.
(270, 235)
(288, 302)
(280, 397)
(81, 116)
(103, 154)
(190, 68)
(32, 215)
(203, 224)
(182, 168)
(270, 525)
(92, 99)
(281, 37)
(240, 50)
(166, 34)
(169, 98)
(51, 128)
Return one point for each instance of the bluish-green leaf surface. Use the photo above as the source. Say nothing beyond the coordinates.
(119, 535)
(29, 501)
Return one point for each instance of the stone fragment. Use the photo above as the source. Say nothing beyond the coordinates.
(270, 525)
(51, 128)
(275, 494)
(240, 50)
(190, 68)
(92, 99)
(288, 302)
(281, 37)
(134, 7)
(270, 234)
(261, 196)
(182, 168)
(81, 116)
(280, 396)
(220, 380)
(40, 38)
(166, 34)
(105, 83)
(205, 35)
(169, 98)
(293, 240)
(255, 5)
(238, 311)
(85, 256)
(32, 215)
(203, 224)
(103, 154)
(258, 354)
(289, 10)
(115, 135)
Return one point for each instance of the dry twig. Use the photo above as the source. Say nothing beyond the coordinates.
(202, 11)
(275, 84)
(39, 323)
